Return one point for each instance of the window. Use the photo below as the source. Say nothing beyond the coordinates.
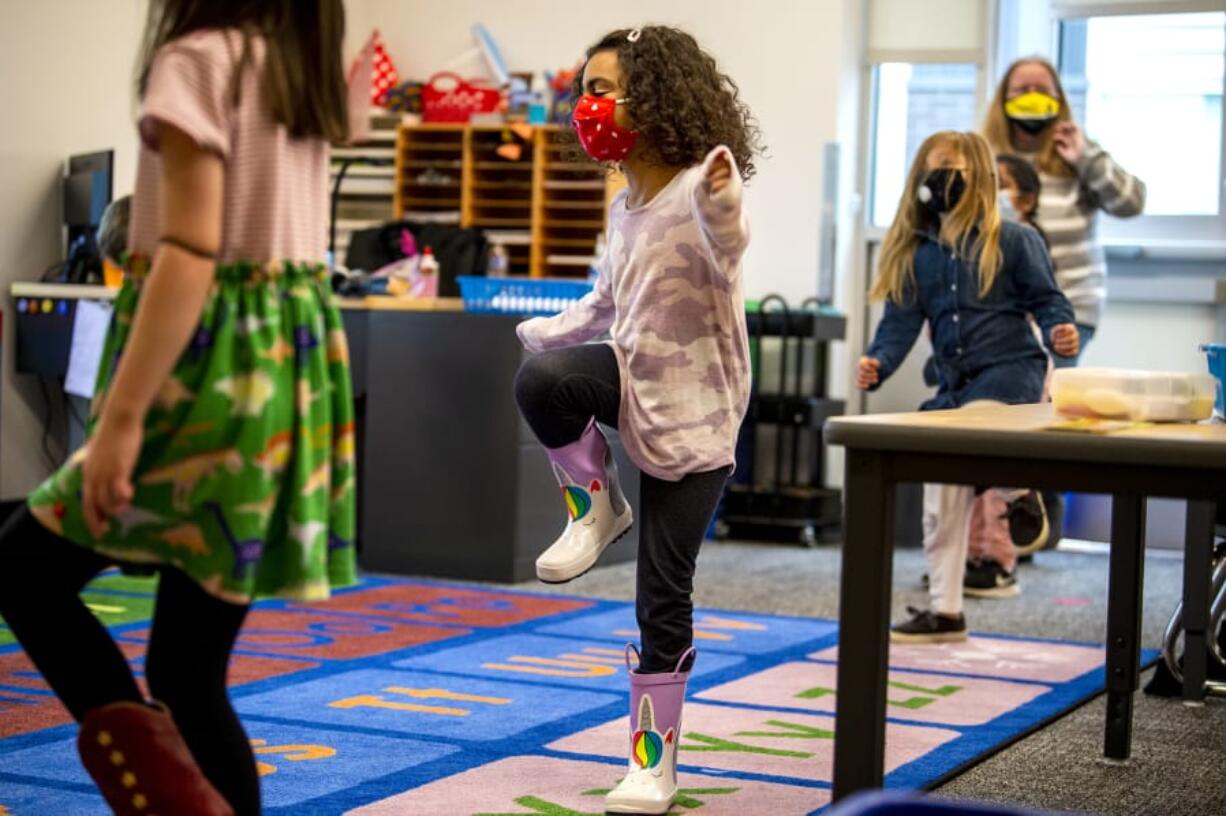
(1149, 89)
(911, 102)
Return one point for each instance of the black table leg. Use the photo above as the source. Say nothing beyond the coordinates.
(1124, 620)
(1197, 575)
(864, 619)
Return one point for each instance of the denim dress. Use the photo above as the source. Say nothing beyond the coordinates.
(984, 347)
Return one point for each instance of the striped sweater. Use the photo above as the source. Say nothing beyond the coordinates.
(1068, 214)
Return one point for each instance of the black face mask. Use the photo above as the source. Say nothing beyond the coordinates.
(941, 190)
(1032, 126)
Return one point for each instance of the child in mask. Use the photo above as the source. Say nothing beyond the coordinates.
(1002, 531)
(674, 379)
(949, 259)
(1019, 192)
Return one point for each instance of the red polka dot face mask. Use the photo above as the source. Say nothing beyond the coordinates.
(599, 134)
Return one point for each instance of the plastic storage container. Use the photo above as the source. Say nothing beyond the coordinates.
(1135, 395)
(527, 296)
(1217, 367)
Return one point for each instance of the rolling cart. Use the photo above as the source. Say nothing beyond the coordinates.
(779, 492)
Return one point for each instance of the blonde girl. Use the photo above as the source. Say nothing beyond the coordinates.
(948, 259)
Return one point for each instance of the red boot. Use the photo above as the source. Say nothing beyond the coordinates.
(138, 758)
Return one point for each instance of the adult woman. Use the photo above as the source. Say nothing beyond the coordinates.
(1030, 116)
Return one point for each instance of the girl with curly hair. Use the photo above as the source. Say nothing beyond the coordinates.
(674, 378)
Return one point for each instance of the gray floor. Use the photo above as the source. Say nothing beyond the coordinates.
(1179, 753)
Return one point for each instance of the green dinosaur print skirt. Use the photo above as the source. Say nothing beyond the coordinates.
(246, 478)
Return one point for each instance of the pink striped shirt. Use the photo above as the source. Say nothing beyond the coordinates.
(276, 187)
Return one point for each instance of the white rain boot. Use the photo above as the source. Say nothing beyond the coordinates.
(650, 785)
(599, 513)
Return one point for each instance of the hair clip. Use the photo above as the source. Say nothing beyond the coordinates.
(634, 35)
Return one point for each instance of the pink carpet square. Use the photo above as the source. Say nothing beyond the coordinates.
(741, 740)
(994, 657)
(536, 785)
(927, 698)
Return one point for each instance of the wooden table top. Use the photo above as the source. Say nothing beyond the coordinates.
(1021, 431)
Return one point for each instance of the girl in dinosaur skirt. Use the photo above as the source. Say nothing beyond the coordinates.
(220, 450)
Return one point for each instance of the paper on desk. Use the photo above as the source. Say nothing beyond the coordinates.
(1093, 425)
(88, 333)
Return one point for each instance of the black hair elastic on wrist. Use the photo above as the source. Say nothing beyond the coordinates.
(188, 248)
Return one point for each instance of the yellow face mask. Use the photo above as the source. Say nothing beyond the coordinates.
(1032, 111)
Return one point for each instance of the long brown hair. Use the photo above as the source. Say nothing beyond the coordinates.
(972, 227)
(302, 82)
(997, 130)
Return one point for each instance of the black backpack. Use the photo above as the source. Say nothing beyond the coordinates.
(459, 251)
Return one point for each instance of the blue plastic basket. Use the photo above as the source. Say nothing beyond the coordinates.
(1216, 352)
(526, 296)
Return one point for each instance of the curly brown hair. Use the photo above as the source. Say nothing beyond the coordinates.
(678, 99)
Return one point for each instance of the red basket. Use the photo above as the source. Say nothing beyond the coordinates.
(449, 98)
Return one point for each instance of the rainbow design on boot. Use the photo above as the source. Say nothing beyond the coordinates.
(578, 502)
(647, 749)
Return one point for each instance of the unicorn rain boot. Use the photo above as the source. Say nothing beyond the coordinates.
(599, 513)
(650, 785)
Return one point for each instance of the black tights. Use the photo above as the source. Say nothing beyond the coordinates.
(558, 394)
(41, 576)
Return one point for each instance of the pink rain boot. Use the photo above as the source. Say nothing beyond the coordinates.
(650, 786)
(599, 513)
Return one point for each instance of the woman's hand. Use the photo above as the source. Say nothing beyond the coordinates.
(1065, 340)
(719, 173)
(1070, 142)
(107, 470)
(866, 373)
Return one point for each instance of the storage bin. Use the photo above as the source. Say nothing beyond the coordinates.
(1216, 352)
(527, 296)
(1135, 395)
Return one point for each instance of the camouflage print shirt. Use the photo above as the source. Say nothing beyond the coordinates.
(669, 293)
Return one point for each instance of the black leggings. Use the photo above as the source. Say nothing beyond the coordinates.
(41, 576)
(558, 393)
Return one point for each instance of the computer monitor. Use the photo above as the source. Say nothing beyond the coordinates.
(86, 189)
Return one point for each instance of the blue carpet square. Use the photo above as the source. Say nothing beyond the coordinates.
(565, 661)
(420, 704)
(714, 631)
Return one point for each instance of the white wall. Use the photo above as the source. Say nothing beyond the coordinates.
(791, 58)
(67, 69)
(1152, 336)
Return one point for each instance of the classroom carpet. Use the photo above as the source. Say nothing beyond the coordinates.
(423, 697)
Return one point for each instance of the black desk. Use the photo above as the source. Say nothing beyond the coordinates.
(1005, 445)
(452, 482)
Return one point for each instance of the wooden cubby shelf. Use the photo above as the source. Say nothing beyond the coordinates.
(543, 206)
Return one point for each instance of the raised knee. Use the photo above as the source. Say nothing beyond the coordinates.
(535, 382)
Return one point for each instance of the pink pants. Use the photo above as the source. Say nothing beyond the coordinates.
(989, 537)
